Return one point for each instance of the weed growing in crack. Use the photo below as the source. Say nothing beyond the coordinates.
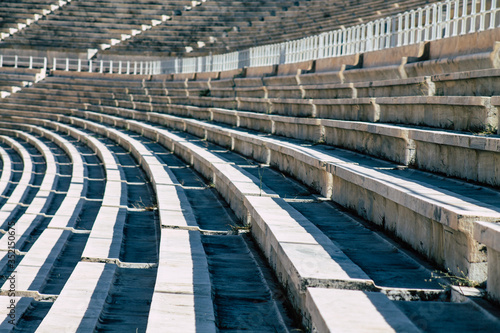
(140, 205)
(461, 281)
(260, 170)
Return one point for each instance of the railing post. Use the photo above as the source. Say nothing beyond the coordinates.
(296, 51)
(447, 23)
(79, 65)
(375, 35)
(332, 36)
(434, 22)
(455, 18)
(302, 49)
(55, 64)
(44, 64)
(16, 58)
(128, 67)
(90, 66)
(101, 70)
(400, 30)
(473, 17)
(439, 23)
(341, 42)
(351, 38)
(362, 38)
(140, 69)
(418, 31)
(1, 60)
(31, 63)
(111, 67)
(328, 44)
(388, 33)
(67, 64)
(464, 18)
(321, 45)
(306, 48)
(482, 15)
(493, 11)
(345, 42)
(406, 28)
(413, 27)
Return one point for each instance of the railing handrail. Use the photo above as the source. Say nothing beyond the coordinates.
(435, 21)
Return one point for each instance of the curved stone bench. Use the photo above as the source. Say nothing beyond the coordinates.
(273, 229)
(284, 248)
(105, 237)
(11, 311)
(6, 170)
(213, 168)
(414, 86)
(350, 137)
(422, 200)
(36, 265)
(412, 145)
(39, 205)
(182, 294)
(458, 113)
(225, 140)
(354, 311)
(21, 189)
(451, 112)
(84, 293)
(471, 83)
(100, 244)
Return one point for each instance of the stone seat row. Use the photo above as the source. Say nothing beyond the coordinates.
(428, 149)
(22, 186)
(414, 193)
(484, 82)
(7, 171)
(471, 113)
(19, 14)
(194, 130)
(43, 31)
(14, 79)
(35, 266)
(100, 118)
(103, 245)
(319, 177)
(262, 209)
(412, 144)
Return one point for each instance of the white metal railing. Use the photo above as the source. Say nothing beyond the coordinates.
(439, 20)
(23, 62)
(82, 65)
(107, 66)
